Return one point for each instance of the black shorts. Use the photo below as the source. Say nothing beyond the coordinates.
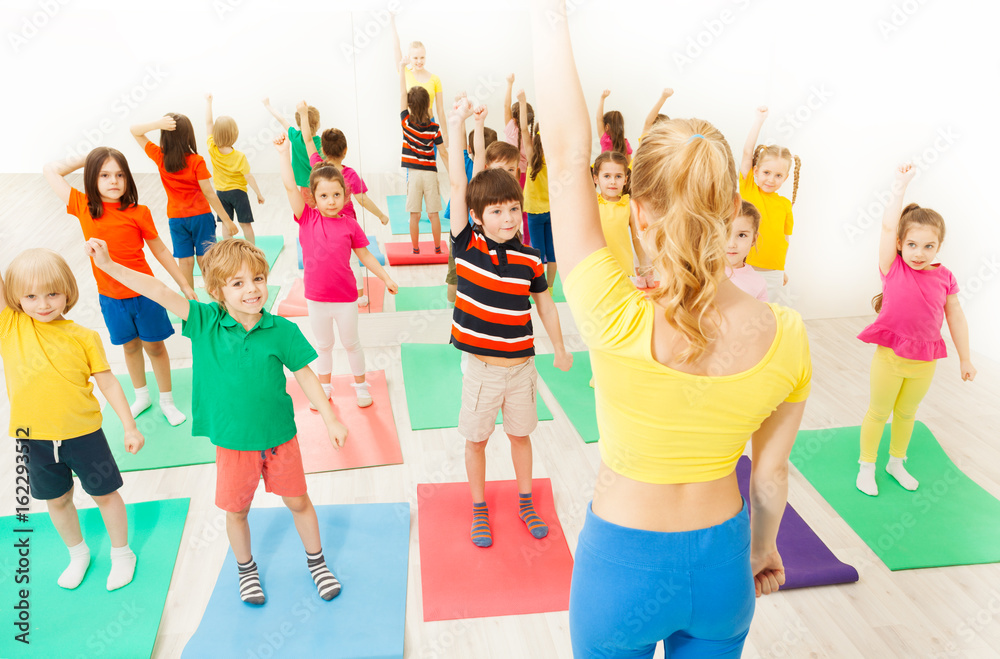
(88, 456)
(237, 204)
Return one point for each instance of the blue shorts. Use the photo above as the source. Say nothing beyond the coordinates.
(192, 235)
(236, 203)
(540, 230)
(51, 466)
(631, 589)
(135, 317)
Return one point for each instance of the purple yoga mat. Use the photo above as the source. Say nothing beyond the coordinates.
(808, 562)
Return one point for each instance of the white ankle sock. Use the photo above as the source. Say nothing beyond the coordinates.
(141, 401)
(327, 389)
(866, 479)
(122, 567)
(898, 471)
(364, 396)
(79, 561)
(174, 416)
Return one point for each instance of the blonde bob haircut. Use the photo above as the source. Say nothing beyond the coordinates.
(224, 259)
(684, 176)
(225, 131)
(39, 268)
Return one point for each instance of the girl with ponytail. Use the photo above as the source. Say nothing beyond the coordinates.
(611, 126)
(683, 379)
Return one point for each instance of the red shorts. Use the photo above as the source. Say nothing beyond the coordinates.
(238, 474)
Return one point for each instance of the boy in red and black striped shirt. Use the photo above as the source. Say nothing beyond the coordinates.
(492, 321)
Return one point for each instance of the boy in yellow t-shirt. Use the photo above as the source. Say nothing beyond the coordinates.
(230, 170)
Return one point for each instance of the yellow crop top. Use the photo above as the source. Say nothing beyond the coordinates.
(659, 425)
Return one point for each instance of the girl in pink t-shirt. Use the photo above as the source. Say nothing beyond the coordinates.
(917, 295)
(611, 128)
(743, 236)
(329, 237)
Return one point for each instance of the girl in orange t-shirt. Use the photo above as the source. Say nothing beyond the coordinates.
(190, 196)
(109, 209)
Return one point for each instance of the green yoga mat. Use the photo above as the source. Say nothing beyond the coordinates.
(166, 445)
(272, 246)
(432, 378)
(399, 217)
(203, 296)
(422, 298)
(90, 621)
(948, 520)
(573, 392)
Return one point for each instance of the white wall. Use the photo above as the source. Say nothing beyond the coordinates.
(854, 88)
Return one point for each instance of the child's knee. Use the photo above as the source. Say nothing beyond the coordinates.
(298, 504)
(63, 501)
(133, 346)
(476, 447)
(238, 517)
(106, 499)
(154, 348)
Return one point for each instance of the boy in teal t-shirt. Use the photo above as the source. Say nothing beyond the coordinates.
(300, 159)
(239, 396)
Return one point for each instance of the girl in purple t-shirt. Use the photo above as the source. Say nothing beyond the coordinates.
(917, 294)
(328, 237)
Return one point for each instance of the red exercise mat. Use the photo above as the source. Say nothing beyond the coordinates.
(295, 304)
(371, 441)
(517, 575)
(401, 253)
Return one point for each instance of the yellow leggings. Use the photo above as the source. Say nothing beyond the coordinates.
(898, 386)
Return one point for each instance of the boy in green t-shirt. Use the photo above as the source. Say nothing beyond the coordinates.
(239, 395)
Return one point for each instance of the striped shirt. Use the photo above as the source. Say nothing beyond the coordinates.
(493, 308)
(418, 143)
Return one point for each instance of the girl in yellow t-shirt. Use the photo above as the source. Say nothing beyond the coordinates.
(610, 172)
(49, 359)
(770, 166)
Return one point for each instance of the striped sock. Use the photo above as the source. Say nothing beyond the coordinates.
(481, 534)
(527, 513)
(251, 591)
(326, 584)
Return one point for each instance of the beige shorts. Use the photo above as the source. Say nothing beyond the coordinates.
(422, 186)
(486, 389)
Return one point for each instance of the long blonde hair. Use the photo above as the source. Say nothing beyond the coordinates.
(684, 176)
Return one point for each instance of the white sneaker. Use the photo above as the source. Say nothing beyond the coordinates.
(363, 301)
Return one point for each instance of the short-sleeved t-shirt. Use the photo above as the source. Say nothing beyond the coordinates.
(433, 86)
(229, 169)
(536, 192)
(239, 398)
(327, 244)
(607, 144)
(493, 307)
(418, 143)
(125, 232)
(354, 182)
(775, 223)
(47, 367)
(511, 133)
(617, 230)
(300, 157)
(184, 195)
(749, 281)
(668, 426)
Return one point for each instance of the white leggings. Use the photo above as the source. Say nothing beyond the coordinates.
(322, 316)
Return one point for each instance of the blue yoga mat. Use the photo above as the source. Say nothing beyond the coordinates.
(372, 247)
(365, 545)
(399, 218)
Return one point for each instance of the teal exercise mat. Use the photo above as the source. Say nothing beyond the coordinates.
(272, 246)
(88, 621)
(422, 298)
(573, 392)
(432, 379)
(166, 445)
(947, 520)
(399, 217)
(203, 296)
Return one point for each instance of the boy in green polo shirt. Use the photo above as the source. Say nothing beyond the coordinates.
(239, 398)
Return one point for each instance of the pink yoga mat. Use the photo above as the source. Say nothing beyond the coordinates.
(518, 574)
(401, 253)
(371, 440)
(295, 304)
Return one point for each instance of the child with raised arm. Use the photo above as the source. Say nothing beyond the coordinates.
(917, 294)
(300, 157)
(536, 193)
(108, 208)
(48, 362)
(420, 134)
(655, 116)
(190, 197)
(512, 135)
(611, 128)
(769, 166)
(418, 76)
(237, 346)
(329, 238)
(492, 322)
(230, 170)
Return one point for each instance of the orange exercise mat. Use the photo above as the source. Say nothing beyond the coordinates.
(295, 304)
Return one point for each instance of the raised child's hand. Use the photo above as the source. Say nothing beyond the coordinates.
(461, 111)
(166, 123)
(968, 371)
(510, 78)
(281, 144)
(338, 433)
(605, 94)
(134, 441)
(266, 100)
(208, 97)
(763, 112)
(667, 93)
(520, 95)
(905, 173)
(302, 108)
(479, 114)
(97, 249)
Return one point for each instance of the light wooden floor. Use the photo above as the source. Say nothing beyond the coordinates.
(947, 612)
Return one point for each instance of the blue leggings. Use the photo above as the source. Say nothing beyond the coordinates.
(540, 230)
(632, 588)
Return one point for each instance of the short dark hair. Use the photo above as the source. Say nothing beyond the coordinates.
(91, 170)
(334, 143)
(489, 187)
(502, 152)
(489, 137)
